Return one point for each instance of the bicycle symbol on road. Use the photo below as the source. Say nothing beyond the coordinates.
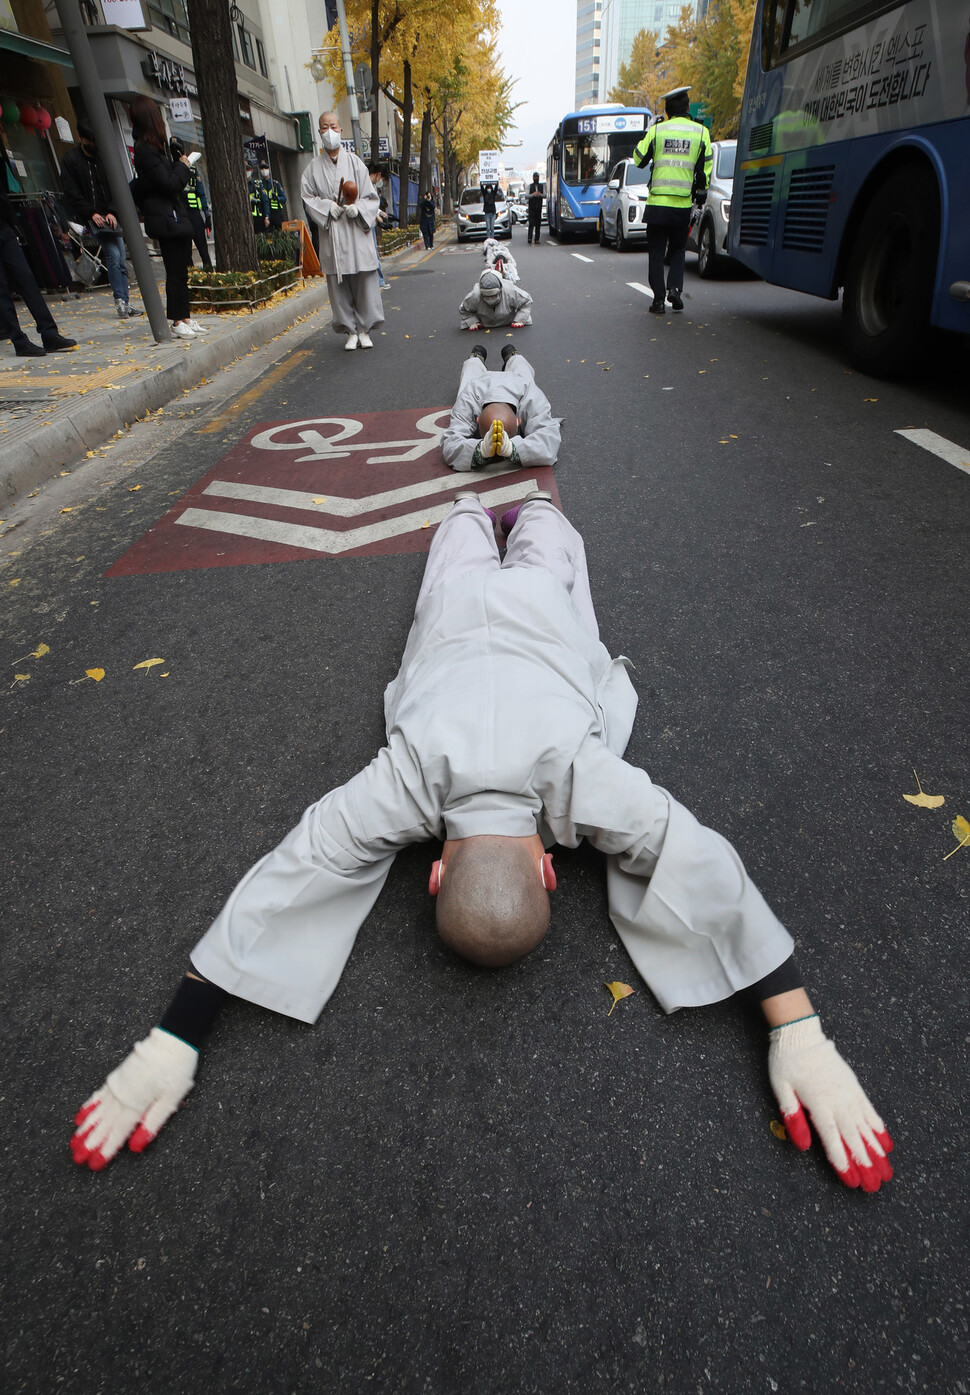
(339, 444)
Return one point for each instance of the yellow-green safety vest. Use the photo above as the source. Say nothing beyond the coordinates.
(674, 146)
(273, 193)
(192, 193)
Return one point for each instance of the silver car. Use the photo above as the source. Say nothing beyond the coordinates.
(470, 215)
(708, 234)
(622, 204)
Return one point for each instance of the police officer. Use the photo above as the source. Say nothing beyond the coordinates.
(275, 197)
(680, 150)
(195, 197)
(258, 202)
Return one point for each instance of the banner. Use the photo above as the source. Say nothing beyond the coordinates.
(489, 165)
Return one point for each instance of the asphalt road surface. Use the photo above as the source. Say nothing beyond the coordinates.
(457, 1180)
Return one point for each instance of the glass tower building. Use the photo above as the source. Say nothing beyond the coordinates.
(588, 51)
(621, 21)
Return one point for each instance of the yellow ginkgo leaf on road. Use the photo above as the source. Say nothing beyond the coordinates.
(619, 991)
(20, 678)
(40, 651)
(146, 664)
(96, 673)
(961, 830)
(778, 1130)
(924, 801)
(322, 500)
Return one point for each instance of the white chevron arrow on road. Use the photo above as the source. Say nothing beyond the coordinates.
(314, 539)
(339, 507)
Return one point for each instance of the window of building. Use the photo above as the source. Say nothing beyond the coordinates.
(246, 45)
(261, 57)
(171, 17)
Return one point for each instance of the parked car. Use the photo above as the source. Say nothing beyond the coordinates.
(470, 215)
(522, 208)
(708, 234)
(621, 207)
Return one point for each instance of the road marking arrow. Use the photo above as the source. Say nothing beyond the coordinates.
(313, 539)
(339, 507)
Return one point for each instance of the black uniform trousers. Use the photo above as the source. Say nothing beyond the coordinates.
(667, 228)
(14, 267)
(197, 219)
(535, 223)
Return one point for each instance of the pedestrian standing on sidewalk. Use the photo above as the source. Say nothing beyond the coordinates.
(275, 197)
(535, 210)
(428, 211)
(15, 268)
(489, 192)
(88, 202)
(383, 219)
(337, 190)
(160, 195)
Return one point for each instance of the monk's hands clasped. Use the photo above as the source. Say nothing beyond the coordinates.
(135, 1100)
(808, 1074)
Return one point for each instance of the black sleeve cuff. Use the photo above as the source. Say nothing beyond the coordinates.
(781, 980)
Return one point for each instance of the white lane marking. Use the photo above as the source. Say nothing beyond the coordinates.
(579, 257)
(639, 286)
(335, 505)
(314, 539)
(939, 445)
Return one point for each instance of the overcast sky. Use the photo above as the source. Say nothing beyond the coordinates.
(537, 44)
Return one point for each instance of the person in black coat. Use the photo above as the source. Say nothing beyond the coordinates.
(535, 210)
(427, 210)
(489, 207)
(15, 267)
(159, 185)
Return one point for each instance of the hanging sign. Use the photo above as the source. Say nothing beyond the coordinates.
(181, 108)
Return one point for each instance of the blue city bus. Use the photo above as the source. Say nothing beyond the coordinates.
(584, 148)
(853, 160)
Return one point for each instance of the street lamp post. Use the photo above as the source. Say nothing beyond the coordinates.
(349, 79)
(94, 100)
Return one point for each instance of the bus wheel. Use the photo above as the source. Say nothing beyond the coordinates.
(706, 251)
(889, 281)
(601, 232)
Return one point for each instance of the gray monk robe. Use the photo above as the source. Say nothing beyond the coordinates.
(538, 440)
(507, 716)
(513, 304)
(348, 252)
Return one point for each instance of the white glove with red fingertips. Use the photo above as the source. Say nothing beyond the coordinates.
(807, 1073)
(135, 1100)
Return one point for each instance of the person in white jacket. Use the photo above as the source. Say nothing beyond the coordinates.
(506, 725)
(343, 202)
(500, 416)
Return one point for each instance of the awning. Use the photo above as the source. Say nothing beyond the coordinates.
(34, 48)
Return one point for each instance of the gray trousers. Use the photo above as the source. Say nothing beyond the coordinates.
(355, 302)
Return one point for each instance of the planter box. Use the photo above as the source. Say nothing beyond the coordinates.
(213, 291)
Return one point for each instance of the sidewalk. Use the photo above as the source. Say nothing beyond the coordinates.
(54, 410)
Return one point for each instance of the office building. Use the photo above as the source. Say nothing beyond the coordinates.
(588, 52)
(621, 21)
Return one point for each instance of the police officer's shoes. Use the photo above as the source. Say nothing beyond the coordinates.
(508, 352)
(479, 351)
(675, 299)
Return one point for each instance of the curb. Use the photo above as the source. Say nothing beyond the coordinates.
(36, 453)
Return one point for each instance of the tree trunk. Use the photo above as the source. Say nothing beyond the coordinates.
(407, 113)
(215, 75)
(375, 68)
(425, 181)
(447, 200)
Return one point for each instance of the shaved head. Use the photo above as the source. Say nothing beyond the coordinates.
(498, 411)
(492, 907)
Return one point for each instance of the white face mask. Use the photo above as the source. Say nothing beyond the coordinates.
(330, 139)
(265, 174)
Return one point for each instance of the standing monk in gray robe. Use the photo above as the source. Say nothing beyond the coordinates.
(500, 417)
(506, 726)
(348, 253)
(493, 301)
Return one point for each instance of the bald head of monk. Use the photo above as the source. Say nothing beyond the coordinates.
(498, 411)
(492, 902)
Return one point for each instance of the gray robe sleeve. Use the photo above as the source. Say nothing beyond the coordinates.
(284, 935)
(521, 305)
(540, 438)
(461, 434)
(468, 309)
(695, 925)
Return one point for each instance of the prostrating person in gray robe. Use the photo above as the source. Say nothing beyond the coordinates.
(506, 726)
(494, 302)
(348, 252)
(500, 417)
